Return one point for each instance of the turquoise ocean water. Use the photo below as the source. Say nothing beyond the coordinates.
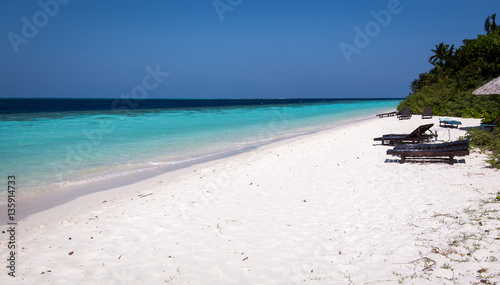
(52, 149)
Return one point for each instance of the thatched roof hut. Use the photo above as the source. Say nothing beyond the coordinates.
(490, 88)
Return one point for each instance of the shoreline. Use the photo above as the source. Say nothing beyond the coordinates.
(89, 160)
(46, 199)
(329, 207)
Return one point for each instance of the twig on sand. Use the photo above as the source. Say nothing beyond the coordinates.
(429, 262)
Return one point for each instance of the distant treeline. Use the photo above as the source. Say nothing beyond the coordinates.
(456, 73)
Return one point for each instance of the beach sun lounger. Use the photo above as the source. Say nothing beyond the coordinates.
(448, 123)
(404, 114)
(420, 134)
(487, 127)
(431, 152)
(427, 114)
(390, 114)
(490, 127)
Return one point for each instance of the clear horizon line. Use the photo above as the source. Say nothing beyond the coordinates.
(283, 98)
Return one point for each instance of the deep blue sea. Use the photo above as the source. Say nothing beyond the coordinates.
(47, 143)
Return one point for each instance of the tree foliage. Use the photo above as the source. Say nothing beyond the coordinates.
(490, 24)
(442, 54)
(448, 86)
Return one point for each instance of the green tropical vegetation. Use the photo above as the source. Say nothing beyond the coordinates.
(456, 72)
(488, 142)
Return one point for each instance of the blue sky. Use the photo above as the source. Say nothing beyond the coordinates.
(230, 49)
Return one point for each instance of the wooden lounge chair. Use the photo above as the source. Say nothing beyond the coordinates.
(427, 114)
(404, 114)
(435, 152)
(420, 134)
(390, 114)
(449, 123)
(490, 127)
(487, 127)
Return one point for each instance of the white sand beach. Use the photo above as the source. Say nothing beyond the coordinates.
(326, 208)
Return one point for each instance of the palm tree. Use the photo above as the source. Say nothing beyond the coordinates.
(442, 54)
(490, 24)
